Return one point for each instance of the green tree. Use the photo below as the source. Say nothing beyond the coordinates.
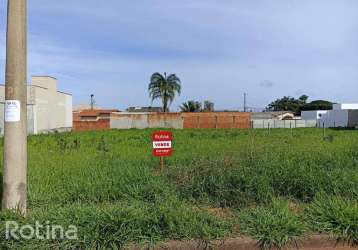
(303, 98)
(191, 106)
(208, 106)
(287, 103)
(318, 105)
(164, 88)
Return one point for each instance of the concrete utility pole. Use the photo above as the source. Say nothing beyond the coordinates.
(15, 140)
(92, 101)
(245, 102)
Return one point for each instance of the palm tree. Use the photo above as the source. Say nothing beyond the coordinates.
(191, 106)
(164, 88)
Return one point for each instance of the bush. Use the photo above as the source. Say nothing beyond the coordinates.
(274, 227)
(336, 216)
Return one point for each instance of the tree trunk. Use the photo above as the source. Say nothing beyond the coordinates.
(165, 104)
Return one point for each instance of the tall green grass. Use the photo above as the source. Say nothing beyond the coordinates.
(109, 184)
(275, 226)
(336, 216)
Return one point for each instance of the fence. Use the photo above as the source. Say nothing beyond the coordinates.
(145, 120)
(180, 120)
(213, 120)
(217, 120)
(91, 125)
(284, 123)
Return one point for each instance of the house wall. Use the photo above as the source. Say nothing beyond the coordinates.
(334, 118)
(30, 119)
(41, 109)
(345, 106)
(313, 115)
(68, 108)
(47, 109)
(30, 110)
(53, 109)
(353, 118)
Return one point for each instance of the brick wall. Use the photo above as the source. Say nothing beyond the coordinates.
(91, 125)
(217, 120)
(213, 120)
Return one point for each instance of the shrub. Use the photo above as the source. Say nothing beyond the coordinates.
(336, 216)
(274, 227)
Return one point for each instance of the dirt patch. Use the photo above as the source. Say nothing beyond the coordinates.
(221, 212)
(316, 242)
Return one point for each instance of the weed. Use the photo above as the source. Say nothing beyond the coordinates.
(275, 226)
(336, 216)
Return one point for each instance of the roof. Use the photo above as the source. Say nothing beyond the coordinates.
(45, 76)
(270, 115)
(61, 92)
(95, 112)
(145, 109)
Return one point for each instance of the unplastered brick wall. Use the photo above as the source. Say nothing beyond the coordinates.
(91, 125)
(217, 120)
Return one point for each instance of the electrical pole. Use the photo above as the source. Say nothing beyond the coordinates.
(245, 102)
(15, 138)
(92, 101)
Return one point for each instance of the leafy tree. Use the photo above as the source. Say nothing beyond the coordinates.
(318, 105)
(303, 98)
(191, 106)
(164, 88)
(208, 106)
(287, 103)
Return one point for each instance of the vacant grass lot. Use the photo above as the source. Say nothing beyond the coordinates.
(276, 187)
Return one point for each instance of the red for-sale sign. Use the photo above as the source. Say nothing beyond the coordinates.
(162, 143)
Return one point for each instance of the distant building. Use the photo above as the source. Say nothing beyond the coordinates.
(92, 119)
(342, 115)
(92, 115)
(313, 114)
(274, 115)
(345, 106)
(84, 106)
(48, 109)
(144, 109)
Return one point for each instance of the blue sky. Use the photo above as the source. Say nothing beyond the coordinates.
(219, 48)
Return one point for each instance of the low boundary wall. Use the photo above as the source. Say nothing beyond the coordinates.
(284, 123)
(91, 125)
(217, 120)
(121, 120)
(202, 120)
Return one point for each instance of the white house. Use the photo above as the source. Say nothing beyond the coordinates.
(342, 115)
(47, 108)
